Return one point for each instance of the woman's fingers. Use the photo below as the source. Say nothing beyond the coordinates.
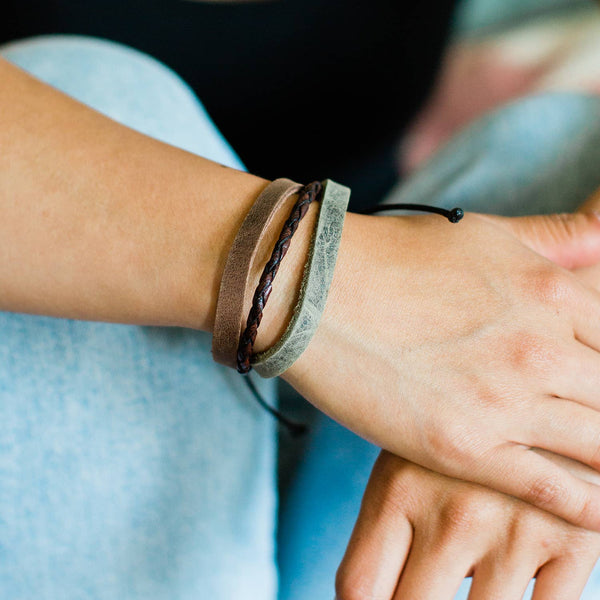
(587, 318)
(519, 472)
(434, 571)
(419, 534)
(502, 578)
(375, 556)
(563, 578)
(567, 429)
(590, 275)
(578, 377)
(570, 240)
(382, 535)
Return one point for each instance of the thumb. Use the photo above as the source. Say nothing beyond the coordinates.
(571, 240)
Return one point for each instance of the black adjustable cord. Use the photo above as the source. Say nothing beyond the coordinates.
(454, 215)
(298, 429)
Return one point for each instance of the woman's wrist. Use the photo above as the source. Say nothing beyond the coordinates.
(350, 286)
(207, 232)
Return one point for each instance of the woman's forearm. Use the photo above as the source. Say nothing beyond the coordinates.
(99, 222)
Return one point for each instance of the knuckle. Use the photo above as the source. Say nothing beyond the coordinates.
(527, 524)
(482, 391)
(467, 512)
(547, 492)
(390, 487)
(549, 286)
(532, 353)
(458, 518)
(388, 502)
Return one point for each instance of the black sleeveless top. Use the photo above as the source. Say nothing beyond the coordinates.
(344, 75)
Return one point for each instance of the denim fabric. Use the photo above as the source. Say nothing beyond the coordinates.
(131, 465)
(537, 155)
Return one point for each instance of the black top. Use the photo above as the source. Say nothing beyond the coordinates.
(344, 75)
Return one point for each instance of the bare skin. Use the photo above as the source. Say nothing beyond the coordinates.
(419, 534)
(98, 222)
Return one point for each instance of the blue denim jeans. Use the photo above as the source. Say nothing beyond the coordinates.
(131, 465)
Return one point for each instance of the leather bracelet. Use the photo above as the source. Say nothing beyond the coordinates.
(316, 281)
(306, 196)
(234, 289)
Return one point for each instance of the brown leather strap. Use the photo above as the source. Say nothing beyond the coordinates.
(306, 196)
(234, 290)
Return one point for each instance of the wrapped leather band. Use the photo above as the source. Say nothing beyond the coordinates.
(316, 281)
(235, 285)
(306, 196)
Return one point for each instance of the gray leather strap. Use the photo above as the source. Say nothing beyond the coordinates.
(235, 288)
(316, 281)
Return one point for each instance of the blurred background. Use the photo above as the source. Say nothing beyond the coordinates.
(502, 50)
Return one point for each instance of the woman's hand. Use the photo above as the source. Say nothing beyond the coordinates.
(460, 348)
(419, 534)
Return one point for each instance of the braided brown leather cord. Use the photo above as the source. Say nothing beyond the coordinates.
(306, 196)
